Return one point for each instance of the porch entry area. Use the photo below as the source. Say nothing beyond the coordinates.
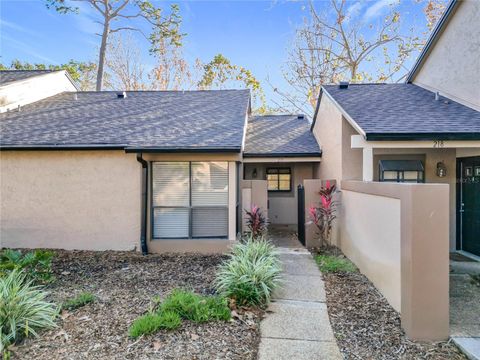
(273, 186)
(468, 205)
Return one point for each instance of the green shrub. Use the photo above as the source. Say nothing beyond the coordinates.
(37, 265)
(152, 322)
(180, 304)
(23, 309)
(78, 301)
(331, 263)
(251, 273)
(194, 307)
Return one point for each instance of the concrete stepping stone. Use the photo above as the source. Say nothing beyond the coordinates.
(299, 320)
(286, 349)
(302, 288)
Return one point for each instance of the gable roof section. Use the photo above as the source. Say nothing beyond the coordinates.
(280, 135)
(167, 121)
(8, 77)
(437, 31)
(405, 112)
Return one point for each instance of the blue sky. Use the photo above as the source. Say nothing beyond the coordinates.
(254, 34)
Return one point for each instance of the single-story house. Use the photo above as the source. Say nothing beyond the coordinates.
(149, 170)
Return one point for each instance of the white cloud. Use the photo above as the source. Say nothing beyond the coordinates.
(15, 27)
(378, 9)
(27, 49)
(354, 10)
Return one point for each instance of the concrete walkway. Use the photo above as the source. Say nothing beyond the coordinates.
(465, 308)
(297, 324)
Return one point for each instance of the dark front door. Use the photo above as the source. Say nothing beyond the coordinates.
(468, 204)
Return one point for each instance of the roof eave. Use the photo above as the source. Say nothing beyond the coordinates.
(432, 39)
(153, 149)
(273, 155)
(49, 147)
(422, 136)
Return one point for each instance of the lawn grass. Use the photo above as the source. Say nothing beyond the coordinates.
(197, 308)
(78, 301)
(334, 264)
(181, 305)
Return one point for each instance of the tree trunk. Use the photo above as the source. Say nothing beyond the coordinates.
(101, 55)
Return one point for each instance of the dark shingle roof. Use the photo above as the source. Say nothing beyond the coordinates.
(280, 135)
(9, 76)
(165, 120)
(405, 111)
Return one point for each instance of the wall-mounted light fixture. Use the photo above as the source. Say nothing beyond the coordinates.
(254, 173)
(441, 169)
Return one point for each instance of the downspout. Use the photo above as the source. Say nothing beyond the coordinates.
(143, 230)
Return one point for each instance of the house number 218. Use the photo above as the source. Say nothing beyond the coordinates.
(438, 144)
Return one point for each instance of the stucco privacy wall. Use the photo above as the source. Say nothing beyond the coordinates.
(70, 200)
(197, 245)
(430, 158)
(254, 192)
(381, 221)
(372, 240)
(453, 63)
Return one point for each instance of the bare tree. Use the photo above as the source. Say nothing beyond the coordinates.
(220, 72)
(172, 71)
(111, 11)
(433, 10)
(329, 48)
(124, 64)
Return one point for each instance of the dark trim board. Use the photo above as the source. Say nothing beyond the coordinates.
(422, 136)
(273, 155)
(233, 149)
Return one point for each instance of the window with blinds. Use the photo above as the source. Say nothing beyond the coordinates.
(190, 199)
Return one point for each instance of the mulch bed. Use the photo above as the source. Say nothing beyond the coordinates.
(367, 327)
(124, 284)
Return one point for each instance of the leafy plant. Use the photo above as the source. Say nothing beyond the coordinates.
(23, 309)
(324, 214)
(180, 304)
(78, 301)
(256, 221)
(194, 307)
(251, 273)
(152, 322)
(37, 265)
(334, 264)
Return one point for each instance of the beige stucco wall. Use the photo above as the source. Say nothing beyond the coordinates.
(400, 242)
(282, 207)
(254, 192)
(328, 132)
(70, 200)
(430, 158)
(453, 64)
(198, 245)
(333, 132)
(372, 240)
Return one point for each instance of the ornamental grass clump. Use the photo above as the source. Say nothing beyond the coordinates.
(23, 309)
(251, 274)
